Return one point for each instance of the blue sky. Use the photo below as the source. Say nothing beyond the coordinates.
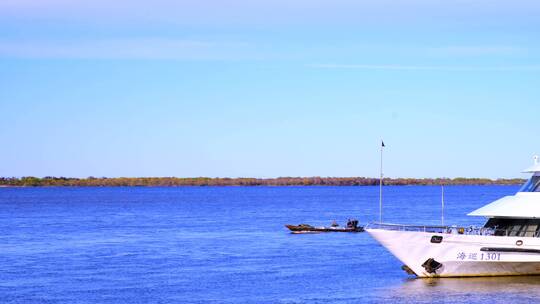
(267, 89)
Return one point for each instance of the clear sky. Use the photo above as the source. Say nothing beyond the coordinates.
(266, 89)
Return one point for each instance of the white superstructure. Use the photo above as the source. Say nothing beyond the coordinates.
(508, 244)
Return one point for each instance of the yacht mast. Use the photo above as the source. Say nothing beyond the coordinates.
(442, 204)
(380, 183)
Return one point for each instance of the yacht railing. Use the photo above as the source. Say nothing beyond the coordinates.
(471, 230)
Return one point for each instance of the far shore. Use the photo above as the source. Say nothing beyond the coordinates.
(280, 181)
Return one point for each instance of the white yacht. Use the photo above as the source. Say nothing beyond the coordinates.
(508, 244)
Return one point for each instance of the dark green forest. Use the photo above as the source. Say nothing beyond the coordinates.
(49, 181)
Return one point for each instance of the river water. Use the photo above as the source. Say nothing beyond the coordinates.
(228, 245)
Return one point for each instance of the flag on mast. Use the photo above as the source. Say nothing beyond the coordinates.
(382, 143)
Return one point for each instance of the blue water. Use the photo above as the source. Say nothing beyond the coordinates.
(227, 245)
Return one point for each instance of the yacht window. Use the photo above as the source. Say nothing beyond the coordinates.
(531, 230)
(532, 185)
(514, 227)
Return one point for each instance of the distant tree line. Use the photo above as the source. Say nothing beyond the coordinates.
(30, 181)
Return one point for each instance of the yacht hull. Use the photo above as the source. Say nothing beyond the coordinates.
(461, 255)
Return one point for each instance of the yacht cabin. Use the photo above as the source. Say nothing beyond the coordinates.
(519, 214)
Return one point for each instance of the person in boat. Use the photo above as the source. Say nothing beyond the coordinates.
(352, 223)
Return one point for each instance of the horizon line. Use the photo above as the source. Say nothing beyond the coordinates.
(249, 177)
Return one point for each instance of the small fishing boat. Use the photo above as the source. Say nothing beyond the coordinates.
(352, 226)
